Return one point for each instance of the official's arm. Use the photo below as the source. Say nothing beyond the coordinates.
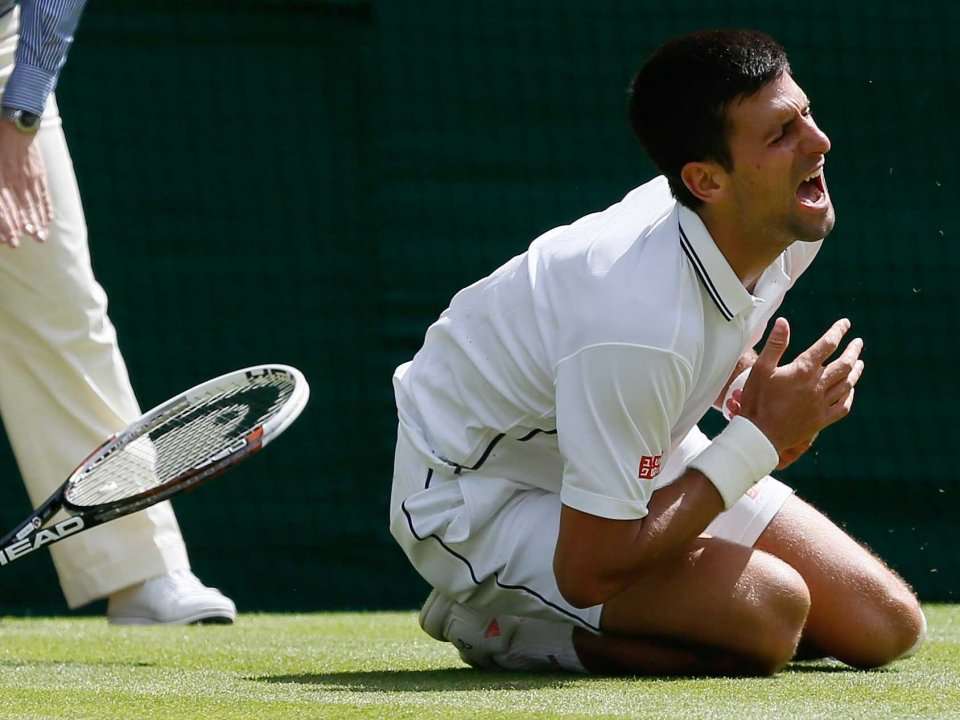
(46, 33)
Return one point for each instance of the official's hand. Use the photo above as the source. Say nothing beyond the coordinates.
(790, 404)
(25, 207)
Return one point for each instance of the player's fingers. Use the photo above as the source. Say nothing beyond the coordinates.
(840, 390)
(735, 403)
(840, 410)
(827, 344)
(790, 456)
(848, 402)
(773, 350)
(733, 407)
(840, 368)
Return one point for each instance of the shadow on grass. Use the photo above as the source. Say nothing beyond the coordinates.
(87, 663)
(470, 679)
(822, 667)
(423, 680)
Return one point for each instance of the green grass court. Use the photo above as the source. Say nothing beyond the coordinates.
(379, 665)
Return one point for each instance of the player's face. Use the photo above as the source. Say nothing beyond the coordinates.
(776, 146)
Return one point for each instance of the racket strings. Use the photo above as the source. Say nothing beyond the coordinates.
(177, 442)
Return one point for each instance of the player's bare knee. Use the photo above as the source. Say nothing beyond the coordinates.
(782, 605)
(894, 627)
(909, 626)
(792, 603)
(891, 625)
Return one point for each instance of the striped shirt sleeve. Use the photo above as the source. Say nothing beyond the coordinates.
(46, 32)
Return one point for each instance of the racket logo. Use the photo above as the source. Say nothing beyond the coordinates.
(236, 446)
(46, 536)
(29, 528)
(263, 372)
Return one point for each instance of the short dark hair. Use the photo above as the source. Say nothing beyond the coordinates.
(679, 98)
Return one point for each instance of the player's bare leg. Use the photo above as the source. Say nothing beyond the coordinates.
(720, 609)
(861, 613)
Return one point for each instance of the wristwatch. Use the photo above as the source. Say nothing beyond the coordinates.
(25, 121)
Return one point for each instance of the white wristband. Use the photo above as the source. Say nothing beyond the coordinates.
(738, 382)
(736, 459)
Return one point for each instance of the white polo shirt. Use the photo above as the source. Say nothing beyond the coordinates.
(605, 342)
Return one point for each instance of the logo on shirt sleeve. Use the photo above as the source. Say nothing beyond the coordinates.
(650, 466)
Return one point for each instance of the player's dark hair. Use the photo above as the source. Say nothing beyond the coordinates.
(679, 98)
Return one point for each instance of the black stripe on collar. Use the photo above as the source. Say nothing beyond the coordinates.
(702, 274)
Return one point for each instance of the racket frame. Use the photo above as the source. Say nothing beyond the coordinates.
(34, 533)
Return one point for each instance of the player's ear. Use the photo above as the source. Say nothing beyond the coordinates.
(705, 180)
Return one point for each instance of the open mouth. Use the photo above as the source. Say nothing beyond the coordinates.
(812, 192)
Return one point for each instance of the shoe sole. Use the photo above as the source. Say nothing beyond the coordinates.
(198, 619)
(434, 614)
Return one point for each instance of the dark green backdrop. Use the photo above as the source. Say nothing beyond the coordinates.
(309, 182)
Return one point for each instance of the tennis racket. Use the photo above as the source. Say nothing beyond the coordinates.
(177, 445)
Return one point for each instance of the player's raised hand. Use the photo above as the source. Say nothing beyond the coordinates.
(793, 402)
(788, 456)
(25, 207)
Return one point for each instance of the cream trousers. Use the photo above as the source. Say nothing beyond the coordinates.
(63, 382)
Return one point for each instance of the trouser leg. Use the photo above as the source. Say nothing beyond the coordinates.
(64, 387)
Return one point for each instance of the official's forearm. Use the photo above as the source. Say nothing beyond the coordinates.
(46, 33)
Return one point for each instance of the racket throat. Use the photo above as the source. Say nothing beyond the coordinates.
(43, 536)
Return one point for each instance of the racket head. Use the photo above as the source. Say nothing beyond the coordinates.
(188, 439)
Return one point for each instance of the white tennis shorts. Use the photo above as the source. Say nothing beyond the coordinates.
(488, 540)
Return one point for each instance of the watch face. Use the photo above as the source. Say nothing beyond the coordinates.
(23, 120)
(28, 120)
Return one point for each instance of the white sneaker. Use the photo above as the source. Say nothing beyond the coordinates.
(477, 637)
(177, 598)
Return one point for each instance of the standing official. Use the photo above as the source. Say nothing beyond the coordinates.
(63, 382)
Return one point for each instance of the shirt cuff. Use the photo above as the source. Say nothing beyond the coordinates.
(601, 505)
(28, 88)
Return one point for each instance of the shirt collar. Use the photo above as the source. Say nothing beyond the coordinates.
(715, 273)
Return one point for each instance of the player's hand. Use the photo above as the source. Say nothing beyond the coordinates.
(746, 361)
(25, 208)
(788, 456)
(790, 404)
